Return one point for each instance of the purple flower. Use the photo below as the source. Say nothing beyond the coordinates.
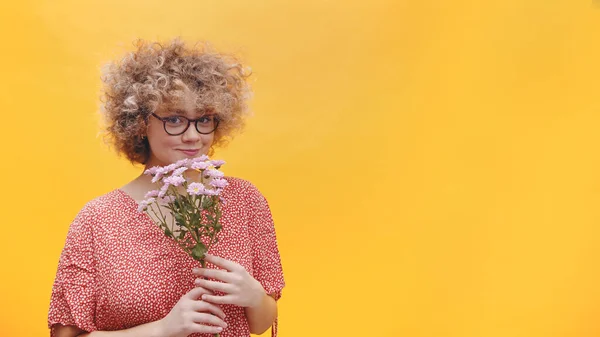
(196, 189)
(217, 163)
(213, 173)
(151, 171)
(179, 171)
(151, 194)
(219, 183)
(157, 177)
(199, 165)
(211, 192)
(158, 174)
(144, 204)
(182, 162)
(172, 167)
(199, 159)
(174, 180)
(163, 190)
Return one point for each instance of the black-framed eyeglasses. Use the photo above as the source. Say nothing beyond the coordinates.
(177, 125)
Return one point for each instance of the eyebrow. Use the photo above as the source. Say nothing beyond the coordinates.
(206, 112)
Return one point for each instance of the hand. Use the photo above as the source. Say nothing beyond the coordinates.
(191, 315)
(239, 287)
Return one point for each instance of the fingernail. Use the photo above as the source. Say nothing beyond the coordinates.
(219, 328)
(196, 270)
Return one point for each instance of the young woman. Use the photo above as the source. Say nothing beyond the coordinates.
(118, 274)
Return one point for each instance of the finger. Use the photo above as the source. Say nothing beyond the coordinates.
(221, 262)
(206, 291)
(227, 299)
(219, 275)
(214, 285)
(204, 318)
(196, 292)
(204, 306)
(200, 328)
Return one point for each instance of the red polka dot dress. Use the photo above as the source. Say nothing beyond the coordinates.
(118, 270)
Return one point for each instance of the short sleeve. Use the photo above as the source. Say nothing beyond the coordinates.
(266, 260)
(72, 301)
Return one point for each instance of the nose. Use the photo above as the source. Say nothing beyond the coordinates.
(191, 135)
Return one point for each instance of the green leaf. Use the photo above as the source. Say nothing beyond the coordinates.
(179, 220)
(175, 204)
(195, 219)
(198, 251)
(207, 202)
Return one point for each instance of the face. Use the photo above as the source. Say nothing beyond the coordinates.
(166, 149)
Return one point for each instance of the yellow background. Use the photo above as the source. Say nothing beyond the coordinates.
(433, 167)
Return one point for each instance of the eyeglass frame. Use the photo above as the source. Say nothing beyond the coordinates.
(195, 121)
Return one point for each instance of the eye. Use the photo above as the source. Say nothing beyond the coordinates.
(205, 119)
(174, 120)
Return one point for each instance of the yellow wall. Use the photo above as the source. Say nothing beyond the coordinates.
(432, 166)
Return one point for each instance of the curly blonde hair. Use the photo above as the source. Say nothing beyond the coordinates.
(154, 73)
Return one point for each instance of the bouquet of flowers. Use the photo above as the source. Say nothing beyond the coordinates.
(187, 206)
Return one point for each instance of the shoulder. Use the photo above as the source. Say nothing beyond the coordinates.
(242, 187)
(102, 204)
(243, 191)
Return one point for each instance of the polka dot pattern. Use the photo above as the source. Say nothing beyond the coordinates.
(118, 270)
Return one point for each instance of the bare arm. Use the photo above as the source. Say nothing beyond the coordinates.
(261, 317)
(188, 316)
(151, 329)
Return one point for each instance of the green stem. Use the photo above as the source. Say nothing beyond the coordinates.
(153, 211)
(170, 208)
(185, 223)
(162, 216)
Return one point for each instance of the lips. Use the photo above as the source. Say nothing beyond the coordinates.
(190, 152)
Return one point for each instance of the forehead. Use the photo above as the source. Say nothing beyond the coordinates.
(186, 102)
(185, 105)
(180, 99)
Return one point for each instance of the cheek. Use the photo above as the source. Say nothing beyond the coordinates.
(207, 140)
(154, 132)
(158, 139)
(163, 142)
